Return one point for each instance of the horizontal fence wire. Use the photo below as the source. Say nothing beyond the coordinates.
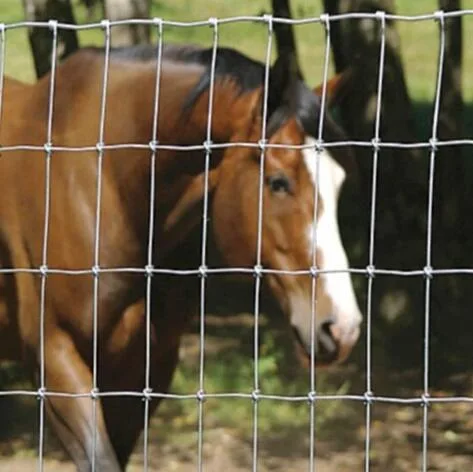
(44, 271)
(240, 19)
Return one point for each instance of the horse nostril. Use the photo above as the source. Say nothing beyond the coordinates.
(327, 346)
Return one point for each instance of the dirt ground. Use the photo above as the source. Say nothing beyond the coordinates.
(395, 447)
(396, 438)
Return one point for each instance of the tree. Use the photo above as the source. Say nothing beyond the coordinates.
(400, 236)
(285, 40)
(356, 44)
(450, 125)
(402, 173)
(41, 38)
(127, 35)
(91, 6)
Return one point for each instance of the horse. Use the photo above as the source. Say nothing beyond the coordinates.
(80, 277)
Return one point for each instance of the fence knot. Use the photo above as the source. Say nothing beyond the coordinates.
(319, 146)
(149, 270)
(439, 16)
(433, 144)
(262, 144)
(267, 18)
(370, 271)
(100, 147)
(95, 270)
(311, 397)
(2, 28)
(153, 145)
(255, 395)
(425, 399)
(375, 143)
(428, 272)
(43, 270)
(158, 22)
(203, 271)
(52, 25)
(258, 270)
(147, 394)
(200, 395)
(208, 145)
(381, 16)
(105, 24)
(213, 22)
(41, 393)
(314, 271)
(94, 393)
(368, 396)
(48, 148)
(325, 19)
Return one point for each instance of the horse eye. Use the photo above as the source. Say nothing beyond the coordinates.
(279, 183)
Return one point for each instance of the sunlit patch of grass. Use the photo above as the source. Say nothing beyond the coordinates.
(233, 372)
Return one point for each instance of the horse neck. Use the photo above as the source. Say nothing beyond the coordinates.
(177, 125)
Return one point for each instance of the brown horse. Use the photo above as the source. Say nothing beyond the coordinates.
(287, 236)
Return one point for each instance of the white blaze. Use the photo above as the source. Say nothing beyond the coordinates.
(338, 286)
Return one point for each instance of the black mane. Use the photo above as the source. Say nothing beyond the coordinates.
(246, 73)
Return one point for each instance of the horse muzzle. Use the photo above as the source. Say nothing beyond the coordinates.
(333, 343)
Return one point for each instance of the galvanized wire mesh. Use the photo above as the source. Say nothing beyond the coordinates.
(371, 271)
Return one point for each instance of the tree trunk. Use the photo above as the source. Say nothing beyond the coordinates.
(401, 194)
(41, 38)
(356, 43)
(91, 7)
(286, 43)
(451, 101)
(402, 190)
(128, 35)
(450, 125)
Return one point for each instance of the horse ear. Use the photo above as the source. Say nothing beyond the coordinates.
(337, 87)
(283, 76)
(187, 211)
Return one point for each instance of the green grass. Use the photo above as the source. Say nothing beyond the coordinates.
(232, 370)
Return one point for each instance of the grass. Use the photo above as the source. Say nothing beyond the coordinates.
(233, 370)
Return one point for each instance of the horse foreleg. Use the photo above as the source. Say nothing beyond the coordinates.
(72, 418)
(125, 416)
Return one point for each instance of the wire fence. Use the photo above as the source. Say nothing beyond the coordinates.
(369, 397)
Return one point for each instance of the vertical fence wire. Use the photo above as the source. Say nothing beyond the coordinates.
(380, 15)
(317, 156)
(44, 257)
(259, 242)
(96, 268)
(439, 16)
(213, 22)
(149, 259)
